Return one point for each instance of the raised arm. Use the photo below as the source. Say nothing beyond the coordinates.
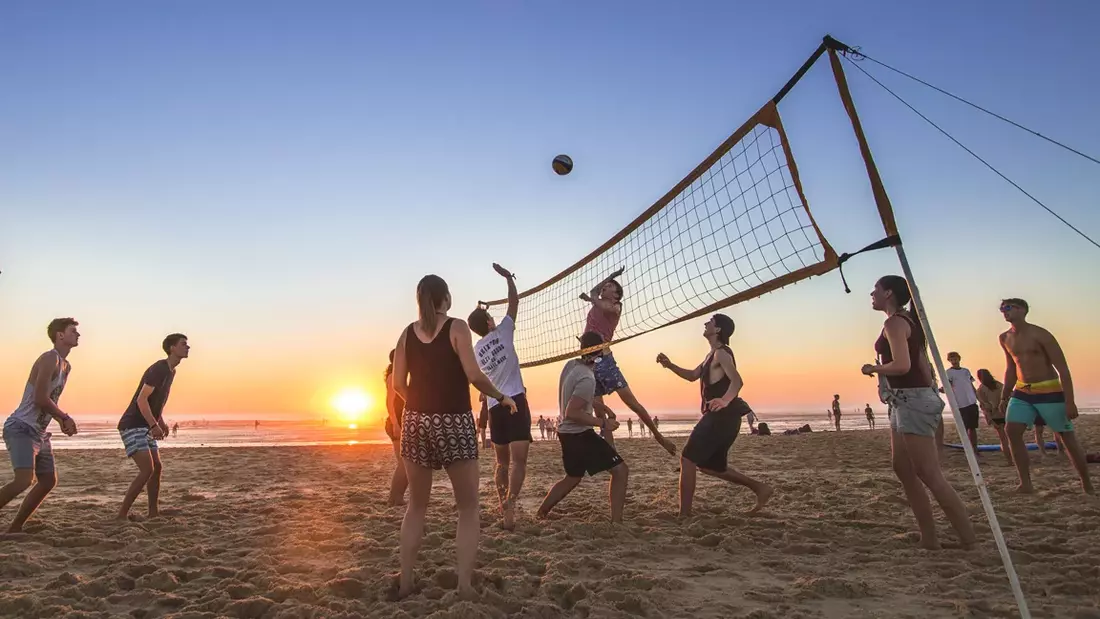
(593, 296)
(1058, 360)
(729, 366)
(463, 344)
(513, 294)
(1010, 375)
(686, 374)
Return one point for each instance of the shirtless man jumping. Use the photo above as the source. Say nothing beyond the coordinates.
(1037, 384)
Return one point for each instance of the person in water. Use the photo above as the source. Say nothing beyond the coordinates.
(915, 412)
(1037, 384)
(708, 447)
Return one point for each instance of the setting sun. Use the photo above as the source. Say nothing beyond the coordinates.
(351, 403)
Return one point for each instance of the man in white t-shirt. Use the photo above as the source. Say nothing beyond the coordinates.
(509, 431)
(962, 384)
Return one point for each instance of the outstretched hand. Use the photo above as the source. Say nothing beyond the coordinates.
(68, 426)
(502, 271)
(867, 369)
(716, 405)
(617, 273)
(669, 446)
(585, 298)
(663, 360)
(510, 403)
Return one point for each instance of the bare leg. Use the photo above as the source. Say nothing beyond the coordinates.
(144, 463)
(1039, 441)
(24, 478)
(1020, 457)
(926, 464)
(1006, 449)
(412, 527)
(687, 486)
(914, 490)
(153, 487)
(1077, 456)
(557, 493)
(617, 490)
(519, 450)
(603, 411)
(464, 480)
(762, 491)
(500, 480)
(400, 482)
(33, 499)
(973, 436)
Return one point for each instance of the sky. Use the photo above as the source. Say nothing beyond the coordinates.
(273, 178)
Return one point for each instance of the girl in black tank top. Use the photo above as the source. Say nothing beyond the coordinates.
(437, 428)
(437, 381)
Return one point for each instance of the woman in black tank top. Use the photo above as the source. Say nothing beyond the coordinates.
(915, 412)
(433, 368)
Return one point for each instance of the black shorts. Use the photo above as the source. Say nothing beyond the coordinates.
(586, 452)
(970, 415)
(506, 427)
(709, 445)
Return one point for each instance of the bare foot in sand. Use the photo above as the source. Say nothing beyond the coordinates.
(762, 497)
(1024, 489)
(467, 593)
(508, 520)
(929, 544)
(129, 518)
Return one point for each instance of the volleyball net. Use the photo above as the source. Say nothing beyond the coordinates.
(736, 227)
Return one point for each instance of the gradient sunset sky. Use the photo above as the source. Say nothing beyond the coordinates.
(273, 178)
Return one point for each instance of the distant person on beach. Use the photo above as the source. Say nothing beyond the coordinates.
(708, 447)
(750, 417)
(542, 427)
(582, 450)
(630, 427)
(989, 401)
(870, 416)
(395, 407)
(915, 412)
(829, 414)
(606, 299)
(175, 429)
(433, 368)
(256, 426)
(1037, 385)
(510, 429)
(25, 435)
(962, 385)
(836, 412)
(142, 424)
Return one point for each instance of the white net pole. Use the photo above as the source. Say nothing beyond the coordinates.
(971, 457)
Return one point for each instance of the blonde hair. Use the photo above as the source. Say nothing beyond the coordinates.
(430, 294)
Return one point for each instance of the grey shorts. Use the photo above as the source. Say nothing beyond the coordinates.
(28, 448)
(914, 411)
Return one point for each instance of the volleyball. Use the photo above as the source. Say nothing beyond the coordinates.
(563, 165)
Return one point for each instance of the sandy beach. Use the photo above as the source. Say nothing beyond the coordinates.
(303, 532)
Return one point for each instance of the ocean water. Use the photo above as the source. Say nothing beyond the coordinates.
(101, 435)
(230, 433)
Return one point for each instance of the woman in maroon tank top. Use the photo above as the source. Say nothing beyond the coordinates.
(905, 384)
(432, 371)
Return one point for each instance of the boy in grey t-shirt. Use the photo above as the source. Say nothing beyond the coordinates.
(582, 450)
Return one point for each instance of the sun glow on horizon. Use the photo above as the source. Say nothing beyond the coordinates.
(352, 403)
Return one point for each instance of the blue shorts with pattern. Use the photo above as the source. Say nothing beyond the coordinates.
(137, 439)
(609, 378)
